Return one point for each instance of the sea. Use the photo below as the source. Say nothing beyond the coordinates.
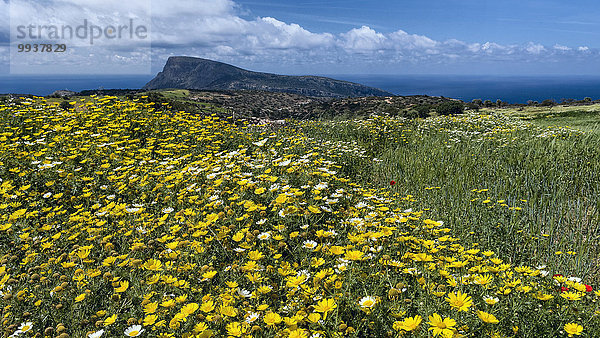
(511, 89)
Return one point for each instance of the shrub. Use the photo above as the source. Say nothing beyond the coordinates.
(66, 105)
(450, 108)
(548, 103)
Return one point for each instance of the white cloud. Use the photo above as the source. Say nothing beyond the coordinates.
(562, 48)
(402, 40)
(362, 39)
(534, 48)
(216, 29)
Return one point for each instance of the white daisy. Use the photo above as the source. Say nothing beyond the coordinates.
(264, 236)
(134, 331)
(308, 244)
(251, 317)
(25, 326)
(96, 334)
(367, 302)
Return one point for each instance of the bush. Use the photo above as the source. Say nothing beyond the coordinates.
(473, 106)
(548, 103)
(450, 108)
(423, 110)
(66, 105)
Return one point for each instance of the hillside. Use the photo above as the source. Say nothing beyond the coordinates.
(202, 74)
(270, 105)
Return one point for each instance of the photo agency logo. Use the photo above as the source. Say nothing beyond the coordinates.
(80, 37)
(84, 33)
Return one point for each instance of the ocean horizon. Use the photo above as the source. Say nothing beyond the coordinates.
(512, 89)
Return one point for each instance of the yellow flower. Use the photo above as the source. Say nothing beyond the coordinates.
(573, 329)
(272, 319)
(169, 303)
(445, 326)
(255, 255)
(314, 317)
(314, 209)
(207, 306)
(235, 329)
(568, 295)
(190, 308)
(281, 199)
(487, 317)
(209, 274)
(354, 255)
(325, 305)
(110, 320)
(150, 320)
(543, 296)
(150, 307)
(228, 311)
(336, 250)
(459, 301)
(298, 333)
(123, 285)
(153, 265)
(181, 299)
(83, 253)
(410, 323)
(200, 327)
(80, 298)
(483, 280)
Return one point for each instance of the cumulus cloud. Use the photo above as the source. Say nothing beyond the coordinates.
(216, 29)
(227, 36)
(362, 39)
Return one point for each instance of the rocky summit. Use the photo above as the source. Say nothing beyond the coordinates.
(202, 74)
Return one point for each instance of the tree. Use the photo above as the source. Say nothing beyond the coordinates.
(473, 106)
(423, 110)
(450, 108)
(548, 103)
(488, 103)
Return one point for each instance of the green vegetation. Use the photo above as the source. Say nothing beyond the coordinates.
(133, 217)
(552, 174)
(449, 108)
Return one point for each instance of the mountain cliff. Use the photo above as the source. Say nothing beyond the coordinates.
(202, 74)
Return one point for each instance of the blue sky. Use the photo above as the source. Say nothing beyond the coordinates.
(343, 37)
(508, 21)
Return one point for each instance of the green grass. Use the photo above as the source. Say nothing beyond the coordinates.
(554, 180)
(586, 118)
(175, 93)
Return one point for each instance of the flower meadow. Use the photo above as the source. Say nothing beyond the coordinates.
(120, 219)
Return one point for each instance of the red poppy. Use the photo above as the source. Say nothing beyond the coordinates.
(392, 182)
(588, 288)
(563, 289)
